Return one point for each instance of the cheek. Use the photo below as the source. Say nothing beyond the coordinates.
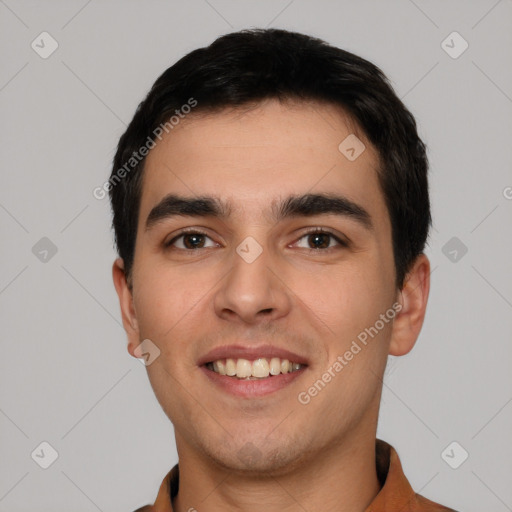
(163, 299)
(349, 303)
(344, 299)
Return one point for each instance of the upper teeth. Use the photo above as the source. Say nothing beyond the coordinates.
(259, 368)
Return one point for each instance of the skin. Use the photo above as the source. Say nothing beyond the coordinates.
(319, 456)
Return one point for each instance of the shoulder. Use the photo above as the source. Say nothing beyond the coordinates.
(430, 506)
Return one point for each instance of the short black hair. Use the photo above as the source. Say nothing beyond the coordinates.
(250, 66)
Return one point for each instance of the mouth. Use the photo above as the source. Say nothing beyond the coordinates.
(260, 368)
(251, 372)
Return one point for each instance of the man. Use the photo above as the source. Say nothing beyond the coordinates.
(271, 208)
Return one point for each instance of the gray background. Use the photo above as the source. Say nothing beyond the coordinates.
(66, 376)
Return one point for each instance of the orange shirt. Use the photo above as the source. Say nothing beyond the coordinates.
(396, 494)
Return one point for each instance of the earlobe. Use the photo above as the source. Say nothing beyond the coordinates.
(125, 297)
(413, 299)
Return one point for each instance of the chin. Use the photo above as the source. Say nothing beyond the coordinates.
(249, 458)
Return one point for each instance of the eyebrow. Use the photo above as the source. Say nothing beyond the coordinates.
(306, 205)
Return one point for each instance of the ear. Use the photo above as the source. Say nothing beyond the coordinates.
(413, 298)
(124, 294)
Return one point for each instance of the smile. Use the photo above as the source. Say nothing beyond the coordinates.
(260, 368)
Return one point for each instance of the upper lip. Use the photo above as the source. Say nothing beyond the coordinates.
(250, 353)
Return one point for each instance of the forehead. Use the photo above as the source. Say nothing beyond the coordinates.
(252, 157)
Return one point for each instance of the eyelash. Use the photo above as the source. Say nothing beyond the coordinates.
(313, 231)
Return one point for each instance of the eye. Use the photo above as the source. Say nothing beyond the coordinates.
(321, 239)
(189, 240)
(317, 240)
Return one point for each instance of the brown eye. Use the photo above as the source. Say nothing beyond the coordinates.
(321, 240)
(189, 241)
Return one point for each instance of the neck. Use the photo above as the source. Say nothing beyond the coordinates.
(342, 478)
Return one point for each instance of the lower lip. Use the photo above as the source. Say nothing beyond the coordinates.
(252, 388)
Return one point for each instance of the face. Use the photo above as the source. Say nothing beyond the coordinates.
(253, 282)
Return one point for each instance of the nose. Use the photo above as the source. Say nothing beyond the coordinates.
(252, 291)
